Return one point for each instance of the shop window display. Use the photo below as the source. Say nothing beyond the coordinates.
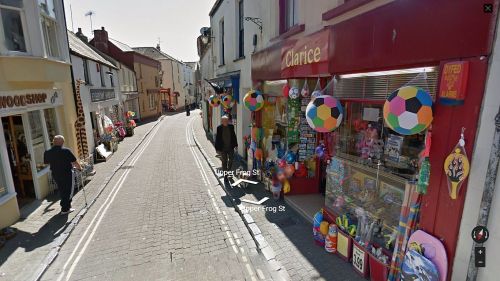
(51, 122)
(3, 181)
(371, 170)
(38, 139)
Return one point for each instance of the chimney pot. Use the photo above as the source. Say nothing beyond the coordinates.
(102, 28)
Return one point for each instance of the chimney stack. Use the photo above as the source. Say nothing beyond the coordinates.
(82, 37)
(101, 40)
(158, 47)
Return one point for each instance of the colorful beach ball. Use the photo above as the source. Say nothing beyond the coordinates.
(294, 93)
(324, 114)
(214, 101)
(254, 100)
(227, 101)
(408, 110)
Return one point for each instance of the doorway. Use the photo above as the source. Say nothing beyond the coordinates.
(19, 158)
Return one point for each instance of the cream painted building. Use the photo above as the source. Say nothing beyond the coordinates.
(35, 83)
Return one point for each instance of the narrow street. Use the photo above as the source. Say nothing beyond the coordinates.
(161, 217)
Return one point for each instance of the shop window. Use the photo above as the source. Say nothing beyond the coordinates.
(37, 138)
(49, 31)
(13, 25)
(48, 8)
(3, 180)
(51, 122)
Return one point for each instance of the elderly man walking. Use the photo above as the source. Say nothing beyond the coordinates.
(62, 161)
(225, 143)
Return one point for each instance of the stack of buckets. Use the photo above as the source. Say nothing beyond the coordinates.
(325, 234)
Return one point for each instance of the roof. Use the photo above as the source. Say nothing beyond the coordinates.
(154, 53)
(80, 48)
(215, 7)
(122, 46)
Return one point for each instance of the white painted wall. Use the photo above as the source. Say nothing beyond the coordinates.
(32, 32)
(104, 107)
(480, 157)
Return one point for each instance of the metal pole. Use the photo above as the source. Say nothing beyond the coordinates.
(488, 193)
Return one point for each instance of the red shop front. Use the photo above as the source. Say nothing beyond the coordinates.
(373, 54)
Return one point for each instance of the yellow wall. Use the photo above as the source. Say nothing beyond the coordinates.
(146, 80)
(10, 212)
(24, 73)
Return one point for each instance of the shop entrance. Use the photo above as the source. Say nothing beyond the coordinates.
(19, 158)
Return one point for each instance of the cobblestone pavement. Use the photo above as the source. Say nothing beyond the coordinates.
(285, 230)
(163, 217)
(40, 223)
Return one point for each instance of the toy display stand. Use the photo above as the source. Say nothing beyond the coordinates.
(378, 269)
(360, 259)
(344, 245)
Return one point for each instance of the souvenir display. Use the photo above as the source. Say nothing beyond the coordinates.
(214, 101)
(305, 90)
(254, 100)
(294, 93)
(456, 167)
(227, 101)
(324, 114)
(331, 239)
(431, 248)
(293, 121)
(316, 94)
(408, 110)
(307, 134)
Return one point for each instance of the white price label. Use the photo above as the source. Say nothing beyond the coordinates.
(358, 259)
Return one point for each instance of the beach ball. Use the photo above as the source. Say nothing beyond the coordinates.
(316, 94)
(408, 110)
(254, 100)
(294, 93)
(227, 101)
(214, 101)
(304, 92)
(324, 114)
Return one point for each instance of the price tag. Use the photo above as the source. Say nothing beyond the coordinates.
(358, 259)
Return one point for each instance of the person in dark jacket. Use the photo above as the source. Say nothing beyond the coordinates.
(225, 143)
(62, 161)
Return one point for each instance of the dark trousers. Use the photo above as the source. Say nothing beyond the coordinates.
(65, 186)
(227, 160)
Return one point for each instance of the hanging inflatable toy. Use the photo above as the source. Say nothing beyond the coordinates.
(305, 90)
(281, 163)
(294, 93)
(290, 157)
(289, 170)
(324, 114)
(214, 101)
(227, 101)
(316, 94)
(320, 151)
(408, 110)
(258, 154)
(286, 90)
(254, 100)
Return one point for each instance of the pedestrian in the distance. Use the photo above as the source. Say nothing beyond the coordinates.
(188, 110)
(62, 161)
(226, 143)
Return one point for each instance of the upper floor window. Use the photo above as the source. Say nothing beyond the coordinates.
(111, 78)
(49, 31)
(241, 30)
(222, 39)
(11, 12)
(86, 73)
(48, 8)
(292, 13)
(101, 73)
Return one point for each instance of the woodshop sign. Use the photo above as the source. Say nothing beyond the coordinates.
(18, 101)
(306, 56)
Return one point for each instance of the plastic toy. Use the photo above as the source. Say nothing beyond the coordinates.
(456, 167)
(227, 101)
(408, 110)
(324, 114)
(254, 100)
(291, 157)
(331, 239)
(433, 250)
(316, 94)
(294, 93)
(214, 101)
(286, 90)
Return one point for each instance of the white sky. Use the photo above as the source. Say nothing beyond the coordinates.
(139, 23)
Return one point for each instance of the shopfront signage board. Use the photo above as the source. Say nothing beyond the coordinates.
(15, 102)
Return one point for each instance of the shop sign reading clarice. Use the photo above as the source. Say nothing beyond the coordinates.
(18, 101)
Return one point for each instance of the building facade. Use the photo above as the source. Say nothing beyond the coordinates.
(35, 83)
(97, 83)
(147, 71)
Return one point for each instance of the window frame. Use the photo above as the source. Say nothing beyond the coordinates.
(44, 29)
(86, 71)
(101, 74)
(291, 17)
(222, 47)
(24, 24)
(111, 80)
(241, 29)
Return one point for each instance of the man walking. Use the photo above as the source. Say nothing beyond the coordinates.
(62, 161)
(225, 143)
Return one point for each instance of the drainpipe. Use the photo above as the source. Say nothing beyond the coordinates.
(488, 193)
